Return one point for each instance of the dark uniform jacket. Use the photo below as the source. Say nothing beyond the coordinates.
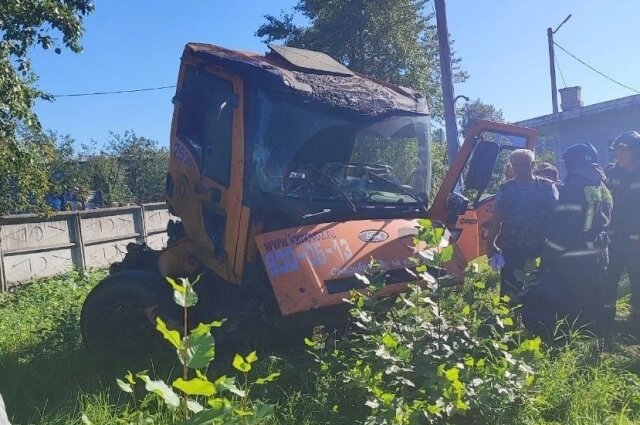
(625, 188)
(580, 220)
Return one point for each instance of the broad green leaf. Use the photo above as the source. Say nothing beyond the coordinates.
(447, 254)
(372, 403)
(434, 409)
(161, 389)
(272, 377)
(452, 374)
(425, 223)
(200, 348)
(529, 380)
(531, 344)
(172, 336)
(224, 383)
(461, 405)
(207, 417)
(185, 299)
(218, 404)
(176, 287)
(387, 398)
(389, 341)
(508, 321)
(194, 406)
(195, 386)
(252, 357)
(240, 364)
(243, 412)
(129, 377)
(126, 387)
(309, 342)
(468, 361)
(466, 310)
(479, 285)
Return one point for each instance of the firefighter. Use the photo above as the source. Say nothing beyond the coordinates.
(575, 259)
(523, 205)
(623, 179)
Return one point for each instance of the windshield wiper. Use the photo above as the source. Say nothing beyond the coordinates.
(336, 185)
(401, 188)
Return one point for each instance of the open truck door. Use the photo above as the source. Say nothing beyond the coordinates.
(466, 199)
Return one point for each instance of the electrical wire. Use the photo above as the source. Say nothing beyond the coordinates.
(595, 70)
(560, 70)
(99, 93)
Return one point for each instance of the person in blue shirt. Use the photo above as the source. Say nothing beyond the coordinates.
(523, 206)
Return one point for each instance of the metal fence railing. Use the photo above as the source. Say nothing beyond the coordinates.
(32, 246)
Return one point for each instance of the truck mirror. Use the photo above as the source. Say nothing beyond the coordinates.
(481, 165)
(457, 204)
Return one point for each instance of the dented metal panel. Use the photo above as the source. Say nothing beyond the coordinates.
(309, 60)
(354, 92)
(310, 267)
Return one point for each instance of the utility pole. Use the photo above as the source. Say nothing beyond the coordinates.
(552, 72)
(451, 125)
(552, 65)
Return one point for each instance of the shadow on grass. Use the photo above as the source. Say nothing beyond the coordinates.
(51, 384)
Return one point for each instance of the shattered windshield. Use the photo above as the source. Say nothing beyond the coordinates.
(303, 152)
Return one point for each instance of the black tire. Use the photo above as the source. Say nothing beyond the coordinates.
(113, 318)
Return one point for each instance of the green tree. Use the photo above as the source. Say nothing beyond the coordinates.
(25, 152)
(127, 169)
(69, 171)
(23, 25)
(24, 182)
(477, 110)
(146, 166)
(393, 40)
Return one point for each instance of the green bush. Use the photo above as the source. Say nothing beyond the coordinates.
(410, 361)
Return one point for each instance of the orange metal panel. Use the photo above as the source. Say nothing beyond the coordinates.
(187, 202)
(468, 240)
(438, 210)
(300, 261)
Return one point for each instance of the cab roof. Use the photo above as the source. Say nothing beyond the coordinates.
(315, 76)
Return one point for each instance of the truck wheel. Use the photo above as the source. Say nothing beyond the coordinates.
(118, 316)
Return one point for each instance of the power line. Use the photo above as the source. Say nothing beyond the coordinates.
(114, 92)
(595, 70)
(560, 70)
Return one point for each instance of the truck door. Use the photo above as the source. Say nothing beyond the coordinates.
(465, 202)
(206, 166)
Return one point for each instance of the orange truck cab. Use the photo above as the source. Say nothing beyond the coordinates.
(289, 173)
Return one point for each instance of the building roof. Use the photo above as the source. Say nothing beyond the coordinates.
(314, 76)
(585, 111)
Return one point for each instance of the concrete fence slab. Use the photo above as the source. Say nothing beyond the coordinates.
(31, 246)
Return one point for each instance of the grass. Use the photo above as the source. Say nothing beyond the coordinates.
(47, 378)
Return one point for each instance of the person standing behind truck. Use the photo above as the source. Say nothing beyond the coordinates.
(575, 255)
(516, 231)
(623, 179)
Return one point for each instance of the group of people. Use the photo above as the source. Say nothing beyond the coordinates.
(566, 244)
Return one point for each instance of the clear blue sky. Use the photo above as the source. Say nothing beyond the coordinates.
(502, 43)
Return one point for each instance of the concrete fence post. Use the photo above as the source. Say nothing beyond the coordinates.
(141, 225)
(80, 257)
(3, 278)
